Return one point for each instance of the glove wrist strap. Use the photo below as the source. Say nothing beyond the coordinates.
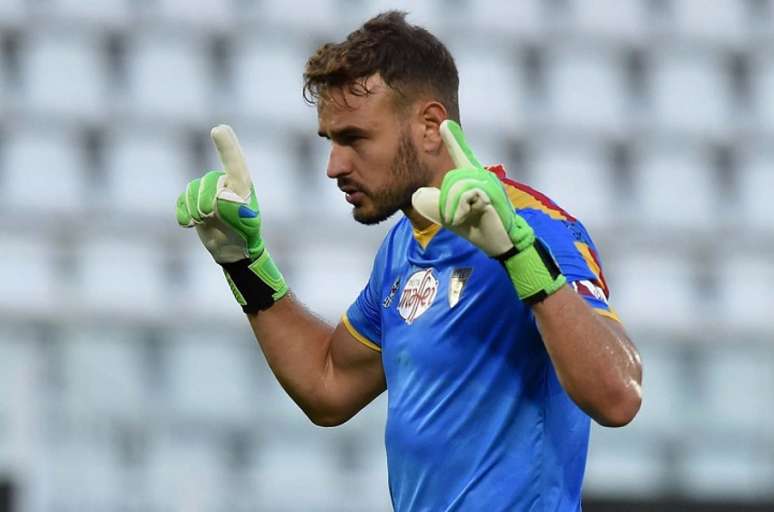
(256, 284)
(533, 272)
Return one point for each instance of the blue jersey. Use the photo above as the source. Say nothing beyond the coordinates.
(477, 419)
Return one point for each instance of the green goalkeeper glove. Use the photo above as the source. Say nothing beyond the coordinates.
(473, 204)
(223, 208)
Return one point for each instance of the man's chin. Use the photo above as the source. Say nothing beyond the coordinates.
(370, 217)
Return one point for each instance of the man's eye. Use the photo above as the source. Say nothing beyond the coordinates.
(351, 139)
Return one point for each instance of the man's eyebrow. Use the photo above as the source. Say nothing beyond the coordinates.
(345, 131)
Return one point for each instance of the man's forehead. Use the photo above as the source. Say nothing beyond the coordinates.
(344, 105)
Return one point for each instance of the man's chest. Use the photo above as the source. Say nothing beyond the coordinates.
(438, 315)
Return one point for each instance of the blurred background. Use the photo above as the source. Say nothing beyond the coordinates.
(129, 378)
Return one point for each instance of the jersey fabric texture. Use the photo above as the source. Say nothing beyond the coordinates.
(477, 419)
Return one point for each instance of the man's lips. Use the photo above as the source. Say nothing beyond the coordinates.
(353, 195)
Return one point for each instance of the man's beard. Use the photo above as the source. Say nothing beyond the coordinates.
(407, 174)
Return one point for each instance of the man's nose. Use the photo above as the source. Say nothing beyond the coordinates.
(338, 163)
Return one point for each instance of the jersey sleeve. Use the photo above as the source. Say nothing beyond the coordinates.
(577, 257)
(363, 319)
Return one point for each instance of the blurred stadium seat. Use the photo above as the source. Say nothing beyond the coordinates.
(29, 274)
(103, 14)
(674, 189)
(329, 297)
(578, 178)
(747, 298)
(732, 469)
(667, 391)
(690, 93)
(657, 290)
(260, 63)
(169, 78)
(12, 13)
(299, 475)
(34, 158)
(20, 400)
(624, 463)
(525, 19)
(205, 290)
(755, 209)
(319, 16)
(622, 22)
(104, 376)
(492, 92)
(586, 89)
(203, 16)
(737, 389)
(186, 473)
(122, 278)
(211, 380)
(724, 22)
(52, 60)
(68, 466)
(763, 89)
(146, 170)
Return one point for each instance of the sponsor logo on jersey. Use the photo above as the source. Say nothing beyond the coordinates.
(588, 289)
(459, 277)
(418, 295)
(393, 290)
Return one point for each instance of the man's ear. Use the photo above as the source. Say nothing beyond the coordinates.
(431, 115)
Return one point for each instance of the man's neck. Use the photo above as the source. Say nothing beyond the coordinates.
(419, 222)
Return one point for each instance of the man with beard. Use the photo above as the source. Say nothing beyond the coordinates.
(486, 313)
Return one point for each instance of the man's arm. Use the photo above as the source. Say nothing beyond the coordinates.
(329, 374)
(597, 364)
(326, 371)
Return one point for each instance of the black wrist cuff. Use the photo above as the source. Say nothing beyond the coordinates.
(256, 295)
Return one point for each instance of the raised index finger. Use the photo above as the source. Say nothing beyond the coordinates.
(458, 148)
(233, 160)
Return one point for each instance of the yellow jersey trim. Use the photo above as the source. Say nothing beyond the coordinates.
(586, 253)
(423, 236)
(359, 337)
(612, 314)
(522, 200)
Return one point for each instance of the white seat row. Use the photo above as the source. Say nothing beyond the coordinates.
(673, 187)
(663, 291)
(170, 77)
(725, 21)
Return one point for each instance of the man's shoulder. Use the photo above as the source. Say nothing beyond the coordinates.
(549, 220)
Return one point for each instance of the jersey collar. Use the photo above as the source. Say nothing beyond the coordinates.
(423, 236)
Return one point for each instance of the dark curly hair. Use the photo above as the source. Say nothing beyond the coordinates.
(410, 60)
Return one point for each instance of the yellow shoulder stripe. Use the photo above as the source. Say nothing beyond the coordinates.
(522, 200)
(359, 337)
(593, 264)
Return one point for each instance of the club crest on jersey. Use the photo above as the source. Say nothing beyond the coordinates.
(459, 277)
(418, 295)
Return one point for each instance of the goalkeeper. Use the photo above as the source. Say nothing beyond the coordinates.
(486, 314)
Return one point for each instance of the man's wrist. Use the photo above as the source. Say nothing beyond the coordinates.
(257, 284)
(533, 272)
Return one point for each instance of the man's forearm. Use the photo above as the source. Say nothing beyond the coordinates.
(296, 345)
(596, 363)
